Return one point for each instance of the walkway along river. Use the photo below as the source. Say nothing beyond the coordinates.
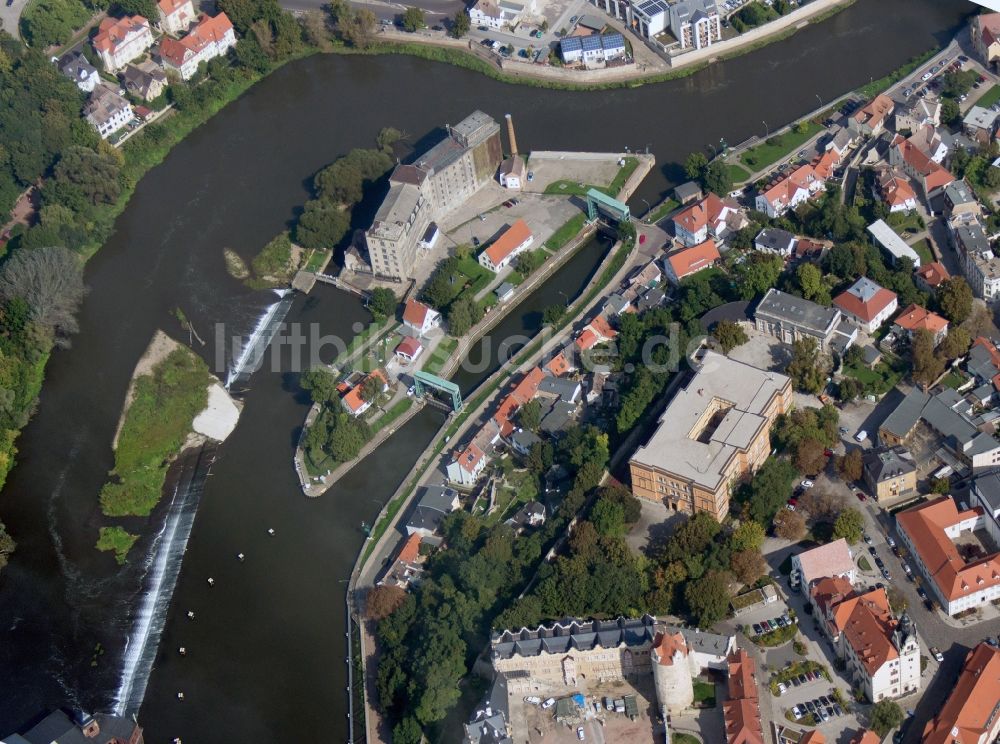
(265, 654)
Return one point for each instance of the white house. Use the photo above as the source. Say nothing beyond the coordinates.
(789, 192)
(211, 38)
(830, 560)
(106, 111)
(76, 67)
(515, 240)
(120, 40)
(495, 14)
(175, 16)
(468, 464)
(867, 304)
(419, 317)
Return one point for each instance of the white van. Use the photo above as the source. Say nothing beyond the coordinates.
(861, 435)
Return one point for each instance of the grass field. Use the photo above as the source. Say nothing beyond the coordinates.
(879, 380)
(663, 210)
(923, 249)
(863, 564)
(565, 233)
(989, 97)
(441, 354)
(575, 188)
(156, 425)
(391, 415)
(775, 148)
(738, 173)
(118, 540)
(704, 694)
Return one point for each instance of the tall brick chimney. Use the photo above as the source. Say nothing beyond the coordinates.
(510, 135)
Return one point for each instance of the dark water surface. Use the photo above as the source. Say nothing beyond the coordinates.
(265, 656)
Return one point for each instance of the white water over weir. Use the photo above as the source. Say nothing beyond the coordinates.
(251, 354)
(167, 553)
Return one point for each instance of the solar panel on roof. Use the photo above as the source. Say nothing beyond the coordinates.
(571, 44)
(591, 43)
(652, 7)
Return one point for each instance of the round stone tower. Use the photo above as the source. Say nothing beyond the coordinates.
(672, 672)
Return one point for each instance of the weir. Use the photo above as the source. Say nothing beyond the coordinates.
(251, 355)
(164, 567)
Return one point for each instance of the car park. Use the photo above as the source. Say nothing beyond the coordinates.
(823, 699)
(936, 653)
(823, 714)
(811, 706)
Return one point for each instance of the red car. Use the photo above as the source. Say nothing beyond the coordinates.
(861, 496)
(828, 452)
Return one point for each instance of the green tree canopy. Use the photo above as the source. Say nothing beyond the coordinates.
(708, 598)
(849, 525)
(885, 716)
(729, 335)
(413, 19)
(383, 302)
(954, 297)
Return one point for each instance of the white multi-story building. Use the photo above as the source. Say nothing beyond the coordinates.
(695, 23)
(120, 40)
(211, 38)
(175, 16)
(107, 112)
(496, 14)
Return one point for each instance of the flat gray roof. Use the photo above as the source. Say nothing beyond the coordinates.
(777, 306)
(889, 239)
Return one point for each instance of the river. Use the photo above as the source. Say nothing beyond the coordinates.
(265, 658)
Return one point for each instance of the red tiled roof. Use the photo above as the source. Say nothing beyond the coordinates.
(813, 737)
(528, 386)
(933, 273)
(353, 398)
(409, 346)
(741, 713)
(875, 112)
(867, 311)
(513, 237)
(915, 318)
(410, 551)
(862, 737)
(558, 365)
(742, 683)
(667, 645)
(415, 313)
(967, 714)
(869, 628)
(113, 31)
(784, 190)
(895, 189)
(925, 526)
(597, 331)
(209, 30)
(823, 165)
(469, 457)
(690, 260)
(701, 213)
(935, 176)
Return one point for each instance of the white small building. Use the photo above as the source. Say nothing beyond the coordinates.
(832, 559)
(120, 40)
(515, 240)
(76, 67)
(420, 317)
(107, 112)
(175, 16)
(887, 238)
(651, 17)
(496, 14)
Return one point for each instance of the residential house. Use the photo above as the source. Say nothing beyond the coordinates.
(505, 291)
(930, 276)
(983, 363)
(970, 712)
(467, 464)
(696, 24)
(560, 388)
(102, 728)
(618, 303)
(931, 142)
(420, 317)
(711, 217)
(741, 711)
(175, 16)
(434, 504)
(647, 276)
(147, 82)
(830, 560)
(789, 191)
(496, 14)
(870, 120)
(515, 240)
(915, 318)
(825, 594)
(513, 173)
(531, 514)
(408, 567)
(985, 495)
(598, 331)
(864, 737)
(711, 435)
(961, 433)
(960, 204)
(895, 190)
(928, 532)
(489, 723)
(687, 192)
(980, 124)
(842, 140)
(889, 240)
(560, 365)
(980, 264)
(986, 36)
(76, 67)
(409, 349)
(120, 40)
(825, 164)
(649, 18)
(867, 304)
(890, 474)
(775, 240)
(211, 38)
(931, 177)
(919, 112)
(353, 401)
(688, 261)
(522, 440)
(790, 319)
(106, 111)
(592, 50)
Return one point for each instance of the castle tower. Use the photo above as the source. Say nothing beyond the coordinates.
(672, 672)
(510, 135)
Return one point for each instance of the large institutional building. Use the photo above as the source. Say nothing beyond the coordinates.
(437, 183)
(713, 433)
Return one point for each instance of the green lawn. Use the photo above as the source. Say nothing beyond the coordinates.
(906, 221)
(441, 354)
(576, 188)
(156, 425)
(776, 147)
(863, 564)
(923, 249)
(877, 86)
(565, 233)
(953, 380)
(682, 738)
(879, 380)
(990, 97)
(315, 260)
(663, 210)
(391, 415)
(738, 173)
(704, 694)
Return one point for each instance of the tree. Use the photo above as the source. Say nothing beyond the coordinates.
(951, 114)
(695, 165)
(50, 281)
(383, 600)
(885, 716)
(357, 28)
(748, 565)
(83, 179)
(530, 415)
(413, 19)
(897, 600)
(145, 8)
(315, 30)
(748, 536)
(810, 456)
(810, 280)
(631, 506)
(927, 366)
(729, 335)
(608, 518)
(804, 368)
(7, 545)
(958, 83)
(460, 24)
(53, 22)
(462, 315)
(849, 525)
(347, 438)
(789, 525)
(320, 383)
(940, 485)
(991, 178)
(321, 225)
(758, 272)
(371, 388)
(552, 314)
(770, 489)
(708, 598)
(626, 232)
(407, 731)
(821, 504)
(717, 178)
(849, 388)
(954, 297)
(955, 344)
(383, 302)
(850, 466)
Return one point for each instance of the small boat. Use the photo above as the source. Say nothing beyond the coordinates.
(270, 531)
(182, 651)
(180, 695)
(211, 581)
(241, 557)
(190, 614)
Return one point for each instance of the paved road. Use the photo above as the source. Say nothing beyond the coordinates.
(10, 15)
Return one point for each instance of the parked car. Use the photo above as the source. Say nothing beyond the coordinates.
(579, 733)
(823, 714)
(886, 575)
(879, 562)
(921, 593)
(788, 619)
(807, 483)
(810, 706)
(756, 628)
(861, 435)
(890, 541)
(533, 699)
(797, 712)
(803, 679)
(872, 550)
(823, 699)
(906, 568)
(866, 537)
(548, 703)
(837, 709)
(936, 653)
(782, 688)
(795, 681)
(861, 496)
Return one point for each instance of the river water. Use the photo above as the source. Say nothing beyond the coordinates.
(265, 659)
